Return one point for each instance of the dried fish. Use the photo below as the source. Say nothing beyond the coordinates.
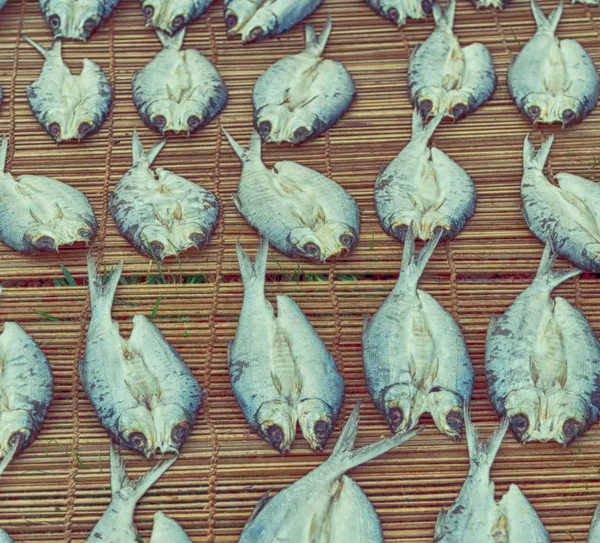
(166, 530)
(4, 537)
(301, 212)
(303, 95)
(281, 371)
(399, 11)
(170, 16)
(542, 362)
(41, 214)
(553, 80)
(76, 19)
(443, 76)
(68, 106)
(159, 212)
(143, 392)
(178, 90)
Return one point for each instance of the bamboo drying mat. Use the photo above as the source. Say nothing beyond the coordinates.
(59, 487)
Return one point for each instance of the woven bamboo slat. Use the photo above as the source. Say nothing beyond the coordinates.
(58, 488)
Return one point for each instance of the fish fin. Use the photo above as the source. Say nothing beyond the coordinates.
(259, 506)
(417, 265)
(10, 454)
(546, 273)
(533, 369)
(137, 149)
(316, 45)
(446, 16)
(422, 131)
(40, 48)
(253, 275)
(175, 41)
(544, 22)
(3, 153)
(143, 484)
(476, 448)
(493, 320)
(118, 474)
(98, 288)
(253, 151)
(345, 442)
(236, 200)
(536, 159)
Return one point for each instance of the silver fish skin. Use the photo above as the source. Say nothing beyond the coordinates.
(2, 4)
(144, 394)
(553, 80)
(255, 20)
(116, 524)
(414, 355)
(41, 214)
(542, 362)
(567, 215)
(443, 76)
(4, 537)
(399, 11)
(26, 387)
(170, 16)
(594, 534)
(69, 107)
(303, 95)
(76, 19)
(314, 508)
(283, 374)
(178, 90)
(475, 516)
(166, 530)
(300, 211)
(159, 212)
(424, 187)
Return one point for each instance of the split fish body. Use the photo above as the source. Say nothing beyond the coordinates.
(166, 530)
(281, 371)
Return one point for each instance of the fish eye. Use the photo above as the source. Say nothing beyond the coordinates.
(54, 21)
(533, 112)
(138, 441)
(194, 121)
(44, 243)
(275, 435)
(426, 5)
(157, 248)
(425, 106)
(322, 429)
(159, 122)
(571, 429)
(347, 240)
(54, 129)
(569, 115)
(84, 128)
(180, 432)
(148, 11)
(393, 14)
(395, 417)
(264, 128)
(455, 421)
(459, 111)
(230, 21)
(85, 233)
(312, 250)
(519, 424)
(90, 25)
(257, 32)
(301, 134)
(178, 22)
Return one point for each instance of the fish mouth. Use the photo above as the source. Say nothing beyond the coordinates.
(455, 421)
(322, 430)
(275, 435)
(395, 418)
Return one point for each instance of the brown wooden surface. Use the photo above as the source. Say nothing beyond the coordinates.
(58, 488)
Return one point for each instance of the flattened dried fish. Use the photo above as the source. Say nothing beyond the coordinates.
(325, 506)
(172, 15)
(25, 391)
(178, 90)
(4, 537)
(166, 530)
(258, 19)
(68, 106)
(443, 76)
(567, 215)
(424, 187)
(161, 213)
(542, 363)
(143, 392)
(398, 11)
(475, 516)
(303, 95)
(414, 355)
(41, 214)
(301, 212)
(553, 80)
(116, 524)
(281, 371)
(76, 19)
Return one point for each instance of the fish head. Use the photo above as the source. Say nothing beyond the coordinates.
(270, 122)
(74, 20)
(400, 407)
(136, 431)
(327, 239)
(316, 422)
(156, 239)
(173, 426)
(167, 16)
(537, 107)
(15, 431)
(392, 10)
(429, 100)
(161, 115)
(192, 116)
(446, 409)
(73, 121)
(48, 236)
(260, 26)
(237, 14)
(277, 424)
(524, 408)
(459, 104)
(568, 418)
(302, 125)
(567, 110)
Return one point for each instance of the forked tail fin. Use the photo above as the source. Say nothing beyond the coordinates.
(315, 45)
(138, 152)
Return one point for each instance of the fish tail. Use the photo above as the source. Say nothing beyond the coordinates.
(102, 289)
(477, 448)
(253, 275)
(315, 45)
(546, 272)
(40, 48)
(422, 131)
(253, 151)
(10, 454)
(138, 152)
(355, 457)
(543, 22)
(3, 153)
(175, 41)
(416, 264)
(444, 17)
(533, 159)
